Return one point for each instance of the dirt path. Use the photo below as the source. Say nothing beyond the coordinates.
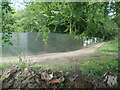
(57, 58)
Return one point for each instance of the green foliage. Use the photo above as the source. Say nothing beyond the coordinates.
(22, 64)
(116, 11)
(1, 79)
(81, 18)
(7, 22)
(109, 47)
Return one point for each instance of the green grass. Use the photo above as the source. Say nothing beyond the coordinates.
(44, 67)
(22, 65)
(41, 67)
(5, 65)
(109, 47)
(99, 65)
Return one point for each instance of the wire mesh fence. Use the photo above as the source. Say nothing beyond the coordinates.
(27, 44)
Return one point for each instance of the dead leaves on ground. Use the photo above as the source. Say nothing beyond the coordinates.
(31, 78)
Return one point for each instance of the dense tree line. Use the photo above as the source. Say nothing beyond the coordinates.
(89, 19)
(7, 21)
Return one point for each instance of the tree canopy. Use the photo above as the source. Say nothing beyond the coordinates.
(89, 19)
(7, 22)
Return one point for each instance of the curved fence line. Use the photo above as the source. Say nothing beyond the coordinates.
(27, 44)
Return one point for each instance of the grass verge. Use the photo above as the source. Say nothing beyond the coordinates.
(103, 63)
(99, 65)
(109, 47)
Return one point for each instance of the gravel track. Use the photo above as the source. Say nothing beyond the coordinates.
(57, 58)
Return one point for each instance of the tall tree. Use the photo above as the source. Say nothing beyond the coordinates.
(81, 18)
